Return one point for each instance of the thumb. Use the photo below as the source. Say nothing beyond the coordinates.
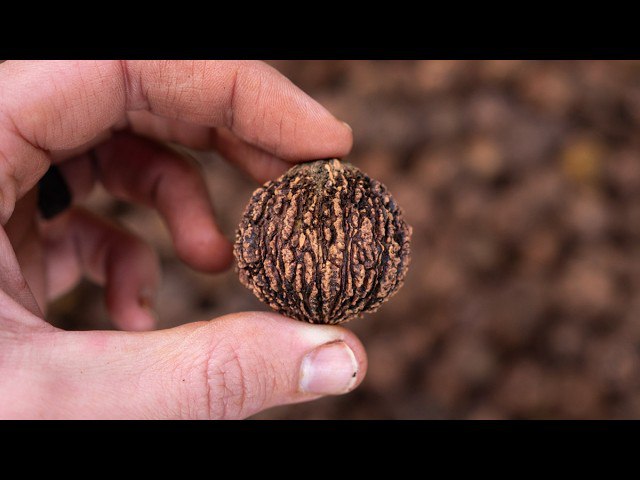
(225, 369)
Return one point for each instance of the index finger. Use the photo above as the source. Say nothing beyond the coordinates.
(54, 105)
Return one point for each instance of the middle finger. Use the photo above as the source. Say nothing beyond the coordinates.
(139, 170)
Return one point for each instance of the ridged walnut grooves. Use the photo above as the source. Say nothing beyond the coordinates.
(323, 243)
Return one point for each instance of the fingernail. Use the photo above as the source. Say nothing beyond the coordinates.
(147, 298)
(54, 195)
(147, 301)
(348, 126)
(331, 369)
(146, 322)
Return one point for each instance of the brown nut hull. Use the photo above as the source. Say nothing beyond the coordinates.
(323, 243)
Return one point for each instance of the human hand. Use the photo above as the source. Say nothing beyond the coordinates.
(101, 122)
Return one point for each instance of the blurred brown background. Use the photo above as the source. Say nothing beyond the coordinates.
(522, 183)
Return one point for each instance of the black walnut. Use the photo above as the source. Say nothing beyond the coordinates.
(323, 243)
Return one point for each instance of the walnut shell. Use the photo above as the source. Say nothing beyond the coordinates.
(323, 243)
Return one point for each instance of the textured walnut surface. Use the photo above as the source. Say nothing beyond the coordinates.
(323, 243)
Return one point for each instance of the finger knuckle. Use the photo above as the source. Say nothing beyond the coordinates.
(233, 387)
(183, 166)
